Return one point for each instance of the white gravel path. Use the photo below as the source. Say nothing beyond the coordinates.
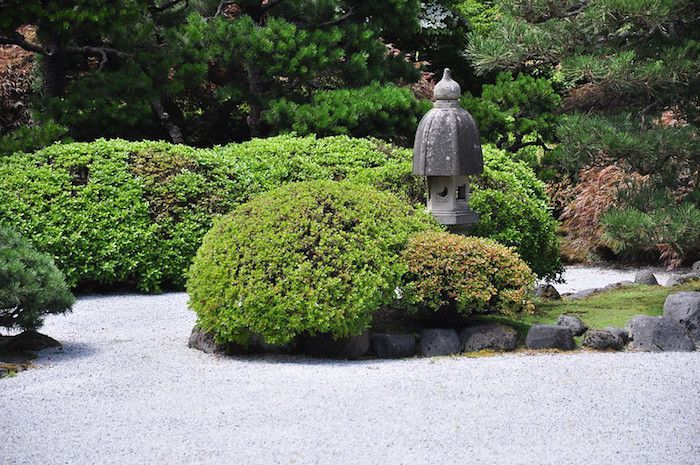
(126, 389)
(580, 277)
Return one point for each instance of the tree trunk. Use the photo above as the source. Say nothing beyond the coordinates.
(172, 128)
(53, 70)
(256, 89)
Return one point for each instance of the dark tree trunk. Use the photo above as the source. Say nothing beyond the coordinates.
(256, 89)
(53, 70)
(173, 129)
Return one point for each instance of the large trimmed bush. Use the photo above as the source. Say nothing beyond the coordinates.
(135, 212)
(30, 284)
(448, 272)
(314, 257)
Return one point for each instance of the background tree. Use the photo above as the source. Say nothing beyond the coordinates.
(141, 68)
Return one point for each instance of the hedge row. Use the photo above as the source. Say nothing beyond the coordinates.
(112, 211)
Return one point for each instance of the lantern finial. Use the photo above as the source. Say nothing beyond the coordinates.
(447, 88)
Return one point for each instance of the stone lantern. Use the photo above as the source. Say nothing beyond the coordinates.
(446, 151)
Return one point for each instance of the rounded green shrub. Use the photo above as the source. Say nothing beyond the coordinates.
(313, 257)
(465, 274)
(30, 284)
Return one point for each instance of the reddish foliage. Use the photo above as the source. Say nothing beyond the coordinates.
(595, 193)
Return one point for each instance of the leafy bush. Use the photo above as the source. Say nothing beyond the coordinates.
(135, 212)
(515, 113)
(670, 154)
(31, 138)
(317, 257)
(387, 112)
(514, 210)
(465, 274)
(512, 204)
(30, 284)
(655, 226)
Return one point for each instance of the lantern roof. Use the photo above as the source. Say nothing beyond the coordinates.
(447, 140)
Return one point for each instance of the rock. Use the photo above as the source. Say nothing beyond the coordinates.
(696, 267)
(3, 372)
(584, 293)
(547, 292)
(550, 337)
(325, 346)
(684, 307)
(203, 341)
(29, 341)
(577, 326)
(393, 345)
(435, 342)
(492, 337)
(622, 333)
(658, 334)
(677, 279)
(602, 339)
(617, 285)
(259, 346)
(645, 277)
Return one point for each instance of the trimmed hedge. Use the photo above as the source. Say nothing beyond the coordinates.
(314, 257)
(135, 212)
(465, 274)
(30, 284)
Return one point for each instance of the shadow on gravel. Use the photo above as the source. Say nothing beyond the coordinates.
(71, 351)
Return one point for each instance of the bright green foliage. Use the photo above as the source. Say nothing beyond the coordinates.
(315, 257)
(30, 284)
(387, 112)
(31, 138)
(465, 274)
(514, 210)
(510, 199)
(515, 113)
(653, 224)
(135, 212)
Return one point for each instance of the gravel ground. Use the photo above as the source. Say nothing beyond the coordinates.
(580, 277)
(126, 389)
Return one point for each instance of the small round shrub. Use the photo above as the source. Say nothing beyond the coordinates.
(30, 284)
(314, 257)
(465, 274)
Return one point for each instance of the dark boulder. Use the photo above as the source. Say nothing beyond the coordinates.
(658, 334)
(434, 342)
(203, 341)
(577, 326)
(30, 341)
(684, 307)
(645, 277)
(326, 346)
(547, 292)
(550, 337)
(386, 345)
(488, 337)
(602, 339)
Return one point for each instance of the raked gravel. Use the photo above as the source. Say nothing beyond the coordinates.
(126, 389)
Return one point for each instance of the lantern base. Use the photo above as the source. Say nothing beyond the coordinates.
(465, 218)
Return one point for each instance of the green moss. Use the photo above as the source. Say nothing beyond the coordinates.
(610, 308)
